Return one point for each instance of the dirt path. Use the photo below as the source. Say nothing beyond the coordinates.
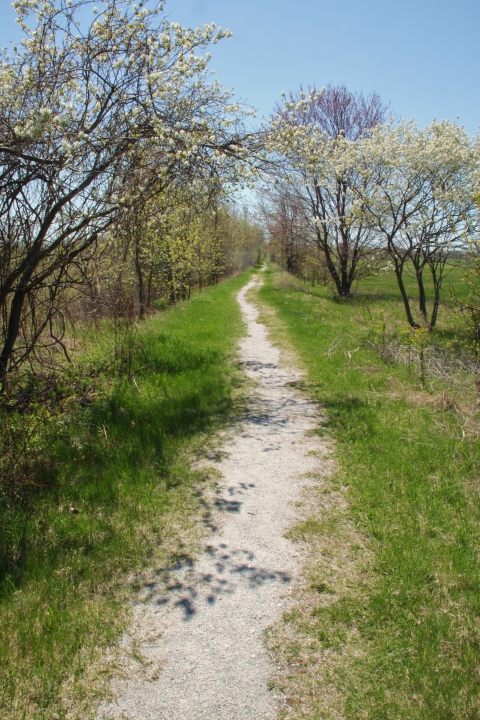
(209, 658)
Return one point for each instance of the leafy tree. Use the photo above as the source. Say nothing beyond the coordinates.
(419, 191)
(92, 120)
(310, 133)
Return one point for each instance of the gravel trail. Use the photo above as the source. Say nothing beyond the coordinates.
(209, 660)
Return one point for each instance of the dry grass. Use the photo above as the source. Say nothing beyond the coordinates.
(317, 641)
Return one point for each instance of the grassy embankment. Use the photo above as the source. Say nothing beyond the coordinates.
(401, 638)
(66, 553)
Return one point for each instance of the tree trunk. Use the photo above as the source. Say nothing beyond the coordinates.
(13, 330)
(422, 299)
(141, 287)
(399, 275)
(171, 287)
(437, 270)
(346, 284)
(436, 305)
(323, 247)
(149, 289)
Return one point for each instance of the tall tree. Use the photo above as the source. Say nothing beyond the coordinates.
(309, 132)
(84, 110)
(422, 199)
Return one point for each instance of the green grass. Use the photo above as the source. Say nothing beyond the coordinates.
(385, 287)
(413, 491)
(65, 575)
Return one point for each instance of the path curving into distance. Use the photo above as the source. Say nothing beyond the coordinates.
(210, 615)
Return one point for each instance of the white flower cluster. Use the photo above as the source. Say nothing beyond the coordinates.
(416, 187)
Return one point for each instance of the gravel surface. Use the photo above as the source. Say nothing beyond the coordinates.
(208, 661)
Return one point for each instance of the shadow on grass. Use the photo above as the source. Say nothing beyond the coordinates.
(143, 429)
(66, 549)
(184, 389)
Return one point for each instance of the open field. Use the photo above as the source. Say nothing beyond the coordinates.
(385, 284)
(410, 478)
(69, 555)
(380, 292)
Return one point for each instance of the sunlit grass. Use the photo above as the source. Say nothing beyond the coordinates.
(412, 488)
(68, 554)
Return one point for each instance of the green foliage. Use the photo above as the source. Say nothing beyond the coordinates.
(418, 339)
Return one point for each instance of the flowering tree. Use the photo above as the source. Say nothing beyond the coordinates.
(93, 119)
(174, 241)
(421, 197)
(312, 133)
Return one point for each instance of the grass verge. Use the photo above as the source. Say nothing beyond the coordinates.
(68, 554)
(400, 639)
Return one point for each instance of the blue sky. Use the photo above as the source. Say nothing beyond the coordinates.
(421, 56)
